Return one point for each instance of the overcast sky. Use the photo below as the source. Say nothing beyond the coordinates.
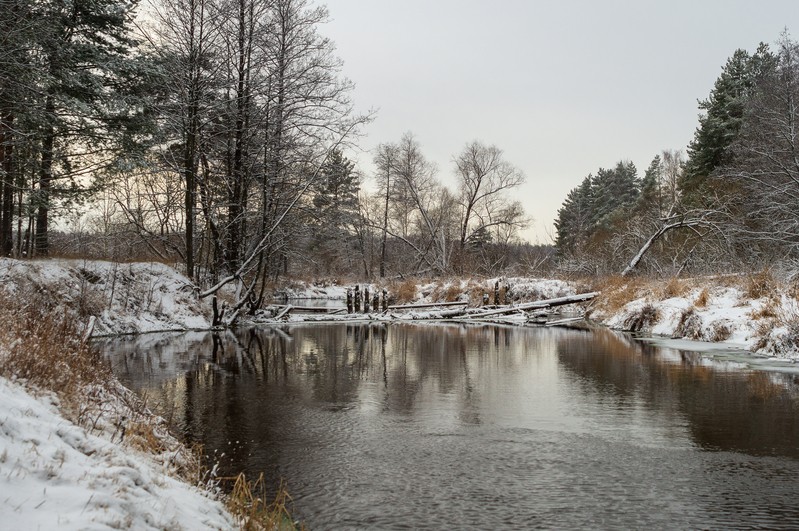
(563, 87)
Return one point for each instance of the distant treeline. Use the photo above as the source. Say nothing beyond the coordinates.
(731, 204)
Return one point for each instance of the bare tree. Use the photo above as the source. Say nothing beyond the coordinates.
(484, 178)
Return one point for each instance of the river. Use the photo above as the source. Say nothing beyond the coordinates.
(395, 426)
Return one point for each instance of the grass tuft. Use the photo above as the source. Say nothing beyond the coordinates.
(642, 319)
(248, 502)
(673, 288)
(403, 292)
(702, 299)
(760, 285)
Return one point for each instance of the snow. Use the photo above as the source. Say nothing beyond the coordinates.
(56, 475)
(122, 298)
(728, 319)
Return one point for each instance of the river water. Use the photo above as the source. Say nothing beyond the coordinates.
(479, 427)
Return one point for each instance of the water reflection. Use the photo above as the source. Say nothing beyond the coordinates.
(396, 426)
(747, 411)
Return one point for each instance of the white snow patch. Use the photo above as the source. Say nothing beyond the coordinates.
(123, 298)
(728, 318)
(55, 475)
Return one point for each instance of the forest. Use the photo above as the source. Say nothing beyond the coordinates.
(215, 134)
(727, 205)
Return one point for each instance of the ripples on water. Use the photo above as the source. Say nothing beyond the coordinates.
(407, 427)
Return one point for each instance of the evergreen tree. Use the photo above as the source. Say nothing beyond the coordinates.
(721, 122)
(574, 221)
(335, 204)
(79, 56)
(614, 190)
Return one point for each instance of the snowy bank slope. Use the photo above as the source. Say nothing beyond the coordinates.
(764, 321)
(55, 475)
(122, 298)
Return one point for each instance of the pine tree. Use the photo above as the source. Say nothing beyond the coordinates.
(574, 222)
(81, 50)
(335, 204)
(721, 122)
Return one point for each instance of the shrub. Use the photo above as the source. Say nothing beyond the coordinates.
(642, 319)
(690, 325)
(703, 298)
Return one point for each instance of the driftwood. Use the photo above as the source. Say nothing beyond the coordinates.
(426, 305)
(538, 305)
(285, 311)
(311, 309)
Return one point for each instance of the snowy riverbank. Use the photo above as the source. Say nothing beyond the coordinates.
(100, 460)
(747, 312)
(55, 474)
(110, 297)
(743, 312)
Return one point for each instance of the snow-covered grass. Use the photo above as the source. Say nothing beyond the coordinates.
(77, 449)
(115, 298)
(55, 474)
(753, 312)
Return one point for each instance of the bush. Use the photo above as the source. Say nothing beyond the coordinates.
(760, 285)
(690, 325)
(642, 319)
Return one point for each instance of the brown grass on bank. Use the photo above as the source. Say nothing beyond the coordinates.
(673, 288)
(403, 292)
(248, 501)
(616, 291)
(702, 299)
(760, 285)
(446, 291)
(41, 346)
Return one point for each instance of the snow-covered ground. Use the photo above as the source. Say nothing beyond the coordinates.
(116, 298)
(56, 475)
(707, 310)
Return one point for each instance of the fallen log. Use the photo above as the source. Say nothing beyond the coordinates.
(311, 309)
(537, 305)
(285, 311)
(426, 305)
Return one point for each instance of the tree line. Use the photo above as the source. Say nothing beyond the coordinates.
(728, 204)
(214, 133)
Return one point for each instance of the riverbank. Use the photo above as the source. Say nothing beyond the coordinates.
(80, 450)
(754, 312)
(77, 449)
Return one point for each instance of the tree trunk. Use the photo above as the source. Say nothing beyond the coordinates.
(41, 240)
(6, 184)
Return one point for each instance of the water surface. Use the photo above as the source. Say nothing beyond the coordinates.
(394, 426)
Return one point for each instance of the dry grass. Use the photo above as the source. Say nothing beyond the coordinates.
(702, 299)
(248, 504)
(43, 347)
(447, 291)
(690, 325)
(403, 292)
(673, 288)
(719, 331)
(769, 310)
(760, 285)
(643, 319)
(616, 291)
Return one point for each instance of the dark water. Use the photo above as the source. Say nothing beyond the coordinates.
(455, 427)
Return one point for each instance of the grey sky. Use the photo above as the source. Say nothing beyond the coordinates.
(562, 87)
